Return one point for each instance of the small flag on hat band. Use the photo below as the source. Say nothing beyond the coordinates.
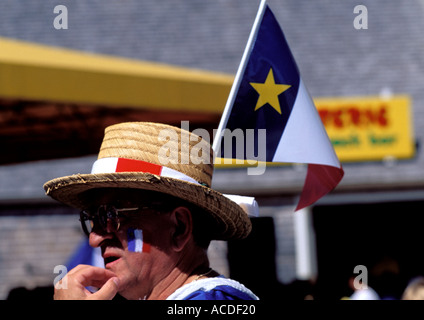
(112, 165)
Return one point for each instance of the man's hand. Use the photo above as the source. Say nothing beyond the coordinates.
(83, 276)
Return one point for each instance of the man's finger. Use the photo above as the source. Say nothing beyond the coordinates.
(108, 291)
(93, 276)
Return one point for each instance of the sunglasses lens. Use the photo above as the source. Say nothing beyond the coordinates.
(87, 222)
(102, 215)
(106, 218)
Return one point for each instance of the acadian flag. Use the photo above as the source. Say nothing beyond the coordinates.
(268, 93)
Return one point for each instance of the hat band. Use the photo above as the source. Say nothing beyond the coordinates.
(112, 165)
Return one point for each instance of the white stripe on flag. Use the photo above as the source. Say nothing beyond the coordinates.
(108, 165)
(304, 139)
(105, 165)
(171, 173)
(138, 235)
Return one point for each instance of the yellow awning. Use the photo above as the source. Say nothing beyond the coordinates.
(37, 72)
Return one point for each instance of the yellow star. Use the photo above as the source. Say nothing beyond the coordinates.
(269, 92)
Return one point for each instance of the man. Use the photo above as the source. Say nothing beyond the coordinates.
(148, 205)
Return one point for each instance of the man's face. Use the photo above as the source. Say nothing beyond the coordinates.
(139, 252)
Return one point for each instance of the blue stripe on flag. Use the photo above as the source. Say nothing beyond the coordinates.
(270, 51)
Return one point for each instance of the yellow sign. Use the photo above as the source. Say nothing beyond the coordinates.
(368, 128)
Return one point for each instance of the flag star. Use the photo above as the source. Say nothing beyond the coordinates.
(269, 92)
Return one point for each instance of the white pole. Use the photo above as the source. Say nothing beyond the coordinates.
(305, 246)
(239, 74)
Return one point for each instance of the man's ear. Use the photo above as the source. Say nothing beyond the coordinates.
(183, 227)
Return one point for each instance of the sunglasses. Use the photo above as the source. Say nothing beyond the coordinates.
(107, 217)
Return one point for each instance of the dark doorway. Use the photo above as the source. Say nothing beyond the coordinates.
(386, 238)
(252, 260)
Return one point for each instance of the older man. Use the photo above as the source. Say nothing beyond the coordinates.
(153, 216)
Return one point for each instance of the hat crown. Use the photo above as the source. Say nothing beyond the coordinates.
(162, 145)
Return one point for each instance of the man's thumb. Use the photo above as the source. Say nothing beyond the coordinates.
(108, 291)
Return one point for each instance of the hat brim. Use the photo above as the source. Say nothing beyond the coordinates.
(231, 221)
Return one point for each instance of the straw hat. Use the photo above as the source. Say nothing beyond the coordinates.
(156, 157)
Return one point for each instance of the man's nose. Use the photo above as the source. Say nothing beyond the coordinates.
(97, 237)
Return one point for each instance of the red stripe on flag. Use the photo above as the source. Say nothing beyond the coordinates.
(129, 165)
(320, 180)
(146, 241)
(146, 247)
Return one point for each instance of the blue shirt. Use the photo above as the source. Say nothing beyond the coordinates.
(218, 288)
(219, 293)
